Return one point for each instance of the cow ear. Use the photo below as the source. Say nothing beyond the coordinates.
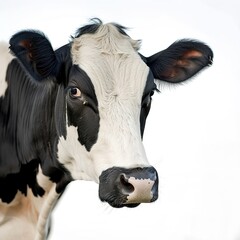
(180, 61)
(35, 52)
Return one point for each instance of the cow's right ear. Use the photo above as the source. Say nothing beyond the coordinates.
(36, 54)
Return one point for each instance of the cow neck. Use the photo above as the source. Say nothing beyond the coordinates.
(32, 211)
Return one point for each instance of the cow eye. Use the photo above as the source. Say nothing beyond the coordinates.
(151, 93)
(147, 101)
(75, 92)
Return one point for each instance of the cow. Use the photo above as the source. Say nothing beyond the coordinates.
(79, 113)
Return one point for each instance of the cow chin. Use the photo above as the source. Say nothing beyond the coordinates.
(122, 187)
(116, 204)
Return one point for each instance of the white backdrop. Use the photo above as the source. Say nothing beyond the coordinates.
(192, 135)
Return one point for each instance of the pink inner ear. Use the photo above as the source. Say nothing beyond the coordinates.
(170, 73)
(192, 53)
(24, 43)
(185, 61)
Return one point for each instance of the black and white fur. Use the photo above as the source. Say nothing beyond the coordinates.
(77, 113)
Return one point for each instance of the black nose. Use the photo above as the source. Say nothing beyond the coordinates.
(128, 187)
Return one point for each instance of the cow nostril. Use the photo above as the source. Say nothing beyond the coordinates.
(126, 187)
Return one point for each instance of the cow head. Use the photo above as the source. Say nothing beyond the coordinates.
(104, 92)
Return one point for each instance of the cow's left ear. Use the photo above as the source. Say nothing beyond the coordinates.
(180, 61)
(35, 52)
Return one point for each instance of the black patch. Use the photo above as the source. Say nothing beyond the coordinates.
(146, 101)
(19, 181)
(64, 59)
(83, 111)
(63, 55)
(89, 29)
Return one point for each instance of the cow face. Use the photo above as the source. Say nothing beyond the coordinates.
(104, 97)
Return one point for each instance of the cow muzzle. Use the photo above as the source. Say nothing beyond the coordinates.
(128, 187)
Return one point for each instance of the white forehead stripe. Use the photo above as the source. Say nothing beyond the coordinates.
(119, 77)
(107, 40)
(112, 62)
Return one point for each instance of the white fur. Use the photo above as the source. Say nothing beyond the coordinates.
(119, 78)
(5, 59)
(46, 209)
(75, 157)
